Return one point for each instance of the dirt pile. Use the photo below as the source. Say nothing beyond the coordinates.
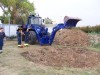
(64, 56)
(68, 55)
(71, 37)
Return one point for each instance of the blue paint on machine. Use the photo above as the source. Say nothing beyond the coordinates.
(38, 32)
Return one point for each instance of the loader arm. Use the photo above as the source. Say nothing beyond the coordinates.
(69, 24)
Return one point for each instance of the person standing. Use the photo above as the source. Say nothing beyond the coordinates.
(2, 35)
(26, 37)
(19, 37)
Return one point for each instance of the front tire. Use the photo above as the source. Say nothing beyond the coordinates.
(32, 37)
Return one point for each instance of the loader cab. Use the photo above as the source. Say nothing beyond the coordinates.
(34, 20)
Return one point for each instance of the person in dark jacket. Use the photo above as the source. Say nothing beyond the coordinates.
(26, 37)
(19, 37)
(2, 35)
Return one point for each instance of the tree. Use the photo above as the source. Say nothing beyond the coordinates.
(18, 10)
(48, 21)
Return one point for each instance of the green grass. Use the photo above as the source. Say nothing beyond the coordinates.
(97, 46)
(93, 33)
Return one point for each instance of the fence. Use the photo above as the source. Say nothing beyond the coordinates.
(10, 29)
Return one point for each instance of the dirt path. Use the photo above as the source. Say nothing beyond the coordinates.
(12, 63)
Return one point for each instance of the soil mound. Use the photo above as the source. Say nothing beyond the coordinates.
(64, 56)
(71, 37)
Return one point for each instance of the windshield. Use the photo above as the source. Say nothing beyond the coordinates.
(36, 20)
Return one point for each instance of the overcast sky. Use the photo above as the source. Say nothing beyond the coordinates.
(87, 10)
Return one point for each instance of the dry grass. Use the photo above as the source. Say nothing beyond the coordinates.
(12, 63)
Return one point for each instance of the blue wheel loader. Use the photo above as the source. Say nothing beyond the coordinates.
(39, 33)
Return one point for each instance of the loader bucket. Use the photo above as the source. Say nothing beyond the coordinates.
(71, 23)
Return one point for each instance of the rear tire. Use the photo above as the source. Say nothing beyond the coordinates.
(32, 37)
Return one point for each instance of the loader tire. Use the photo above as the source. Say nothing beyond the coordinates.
(32, 37)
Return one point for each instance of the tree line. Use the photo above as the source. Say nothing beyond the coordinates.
(91, 29)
